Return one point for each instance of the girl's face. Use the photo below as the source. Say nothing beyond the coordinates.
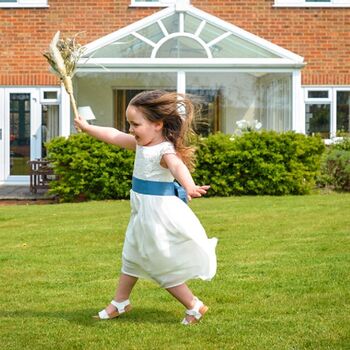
(146, 133)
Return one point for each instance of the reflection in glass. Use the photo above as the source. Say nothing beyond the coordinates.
(127, 47)
(208, 120)
(19, 134)
(343, 111)
(50, 95)
(171, 23)
(228, 96)
(317, 94)
(210, 33)
(317, 119)
(181, 47)
(191, 23)
(233, 96)
(49, 126)
(153, 32)
(99, 91)
(234, 47)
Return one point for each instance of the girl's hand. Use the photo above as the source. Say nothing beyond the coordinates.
(80, 123)
(197, 191)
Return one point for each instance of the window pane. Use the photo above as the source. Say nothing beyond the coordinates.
(50, 95)
(126, 47)
(343, 111)
(49, 125)
(19, 134)
(8, 1)
(191, 23)
(275, 101)
(234, 47)
(318, 119)
(317, 94)
(152, 32)
(230, 96)
(181, 47)
(171, 23)
(99, 91)
(210, 33)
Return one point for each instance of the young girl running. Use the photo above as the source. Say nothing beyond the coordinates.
(164, 240)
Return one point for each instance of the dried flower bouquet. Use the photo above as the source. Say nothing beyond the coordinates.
(63, 56)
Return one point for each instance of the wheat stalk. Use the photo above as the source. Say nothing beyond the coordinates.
(63, 56)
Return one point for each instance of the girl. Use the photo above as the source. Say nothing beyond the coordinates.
(164, 240)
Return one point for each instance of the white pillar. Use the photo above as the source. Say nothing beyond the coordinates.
(65, 113)
(298, 115)
(181, 82)
(333, 111)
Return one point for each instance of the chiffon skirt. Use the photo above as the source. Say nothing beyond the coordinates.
(165, 242)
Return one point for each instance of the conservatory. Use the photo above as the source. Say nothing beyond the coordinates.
(234, 74)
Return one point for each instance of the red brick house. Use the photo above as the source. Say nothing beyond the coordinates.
(282, 62)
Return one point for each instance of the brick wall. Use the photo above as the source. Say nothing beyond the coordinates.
(321, 36)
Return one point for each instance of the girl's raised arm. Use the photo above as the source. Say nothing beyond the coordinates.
(106, 134)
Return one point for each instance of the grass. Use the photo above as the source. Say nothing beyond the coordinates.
(282, 281)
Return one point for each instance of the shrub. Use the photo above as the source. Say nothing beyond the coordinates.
(335, 168)
(89, 168)
(266, 163)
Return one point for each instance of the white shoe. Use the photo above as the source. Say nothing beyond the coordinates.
(120, 308)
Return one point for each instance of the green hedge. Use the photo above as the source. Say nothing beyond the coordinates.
(89, 169)
(266, 163)
(259, 163)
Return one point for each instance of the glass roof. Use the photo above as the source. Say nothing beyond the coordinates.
(181, 35)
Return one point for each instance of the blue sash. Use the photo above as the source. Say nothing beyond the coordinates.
(159, 188)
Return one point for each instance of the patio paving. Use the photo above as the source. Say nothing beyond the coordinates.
(22, 193)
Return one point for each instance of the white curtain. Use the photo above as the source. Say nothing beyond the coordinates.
(276, 102)
(52, 122)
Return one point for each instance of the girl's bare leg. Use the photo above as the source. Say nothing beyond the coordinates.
(125, 285)
(183, 294)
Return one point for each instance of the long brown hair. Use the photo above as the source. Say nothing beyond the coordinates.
(177, 112)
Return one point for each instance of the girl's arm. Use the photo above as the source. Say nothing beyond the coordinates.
(106, 134)
(181, 173)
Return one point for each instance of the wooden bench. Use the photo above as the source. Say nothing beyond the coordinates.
(41, 173)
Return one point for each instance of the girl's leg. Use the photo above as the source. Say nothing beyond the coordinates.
(125, 285)
(183, 294)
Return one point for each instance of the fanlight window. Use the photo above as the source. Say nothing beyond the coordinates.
(181, 35)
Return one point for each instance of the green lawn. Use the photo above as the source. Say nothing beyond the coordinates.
(282, 282)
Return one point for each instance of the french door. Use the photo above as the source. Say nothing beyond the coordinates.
(21, 133)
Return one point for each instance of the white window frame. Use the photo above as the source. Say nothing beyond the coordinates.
(160, 3)
(25, 3)
(49, 101)
(303, 3)
(331, 100)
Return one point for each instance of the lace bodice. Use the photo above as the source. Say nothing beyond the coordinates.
(147, 162)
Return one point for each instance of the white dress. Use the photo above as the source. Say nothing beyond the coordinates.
(164, 240)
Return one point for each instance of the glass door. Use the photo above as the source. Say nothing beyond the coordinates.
(21, 133)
